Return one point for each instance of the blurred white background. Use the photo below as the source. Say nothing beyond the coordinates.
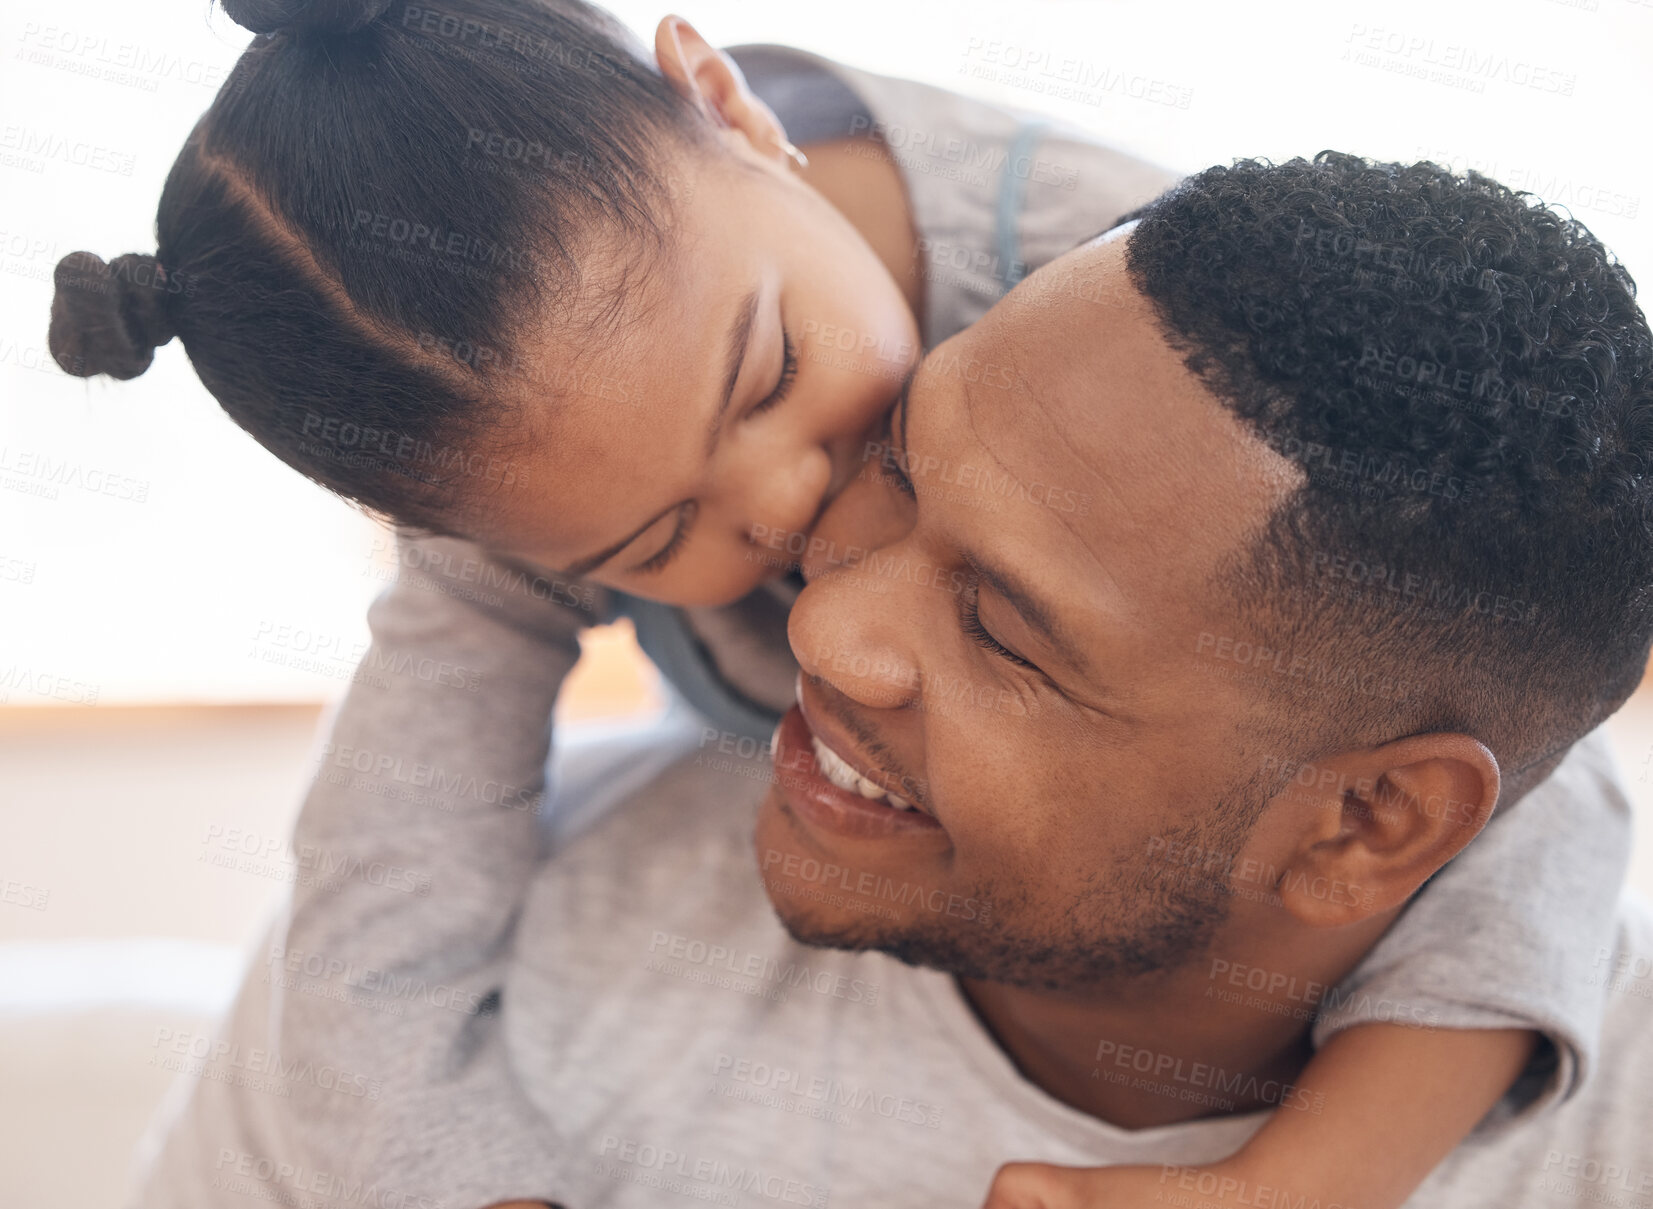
(150, 554)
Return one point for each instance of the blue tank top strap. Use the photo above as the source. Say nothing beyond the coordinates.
(1007, 215)
(664, 635)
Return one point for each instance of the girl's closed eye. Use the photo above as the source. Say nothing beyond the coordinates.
(686, 511)
(789, 373)
(680, 536)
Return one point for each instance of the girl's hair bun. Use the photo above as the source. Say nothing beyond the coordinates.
(109, 318)
(304, 16)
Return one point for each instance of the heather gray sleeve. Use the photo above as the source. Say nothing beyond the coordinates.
(375, 1006)
(1507, 935)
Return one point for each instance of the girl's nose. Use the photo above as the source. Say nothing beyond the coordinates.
(785, 495)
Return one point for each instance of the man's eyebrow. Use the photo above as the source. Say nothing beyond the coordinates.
(740, 336)
(585, 565)
(1037, 612)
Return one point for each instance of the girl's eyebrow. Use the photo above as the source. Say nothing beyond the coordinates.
(740, 338)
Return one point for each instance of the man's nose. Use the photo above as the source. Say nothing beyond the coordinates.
(849, 637)
(851, 629)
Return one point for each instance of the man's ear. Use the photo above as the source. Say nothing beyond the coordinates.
(712, 82)
(1391, 817)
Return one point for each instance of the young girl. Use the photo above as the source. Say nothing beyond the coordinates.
(494, 273)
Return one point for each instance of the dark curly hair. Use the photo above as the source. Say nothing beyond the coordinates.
(1466, 382)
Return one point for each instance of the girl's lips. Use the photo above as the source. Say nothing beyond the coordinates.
(823, 805)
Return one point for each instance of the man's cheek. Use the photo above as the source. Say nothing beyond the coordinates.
(990, 809)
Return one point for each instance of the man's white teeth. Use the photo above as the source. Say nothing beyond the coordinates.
(835, 769)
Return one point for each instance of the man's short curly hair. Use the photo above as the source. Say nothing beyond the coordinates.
(1466, 381)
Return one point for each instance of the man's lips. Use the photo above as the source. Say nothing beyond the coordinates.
(825, 728)
(819, 802)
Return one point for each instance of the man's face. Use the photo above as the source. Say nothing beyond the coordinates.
(1007, 631)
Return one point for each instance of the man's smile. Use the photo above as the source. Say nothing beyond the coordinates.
(829, 786)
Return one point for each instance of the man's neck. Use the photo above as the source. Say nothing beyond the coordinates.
(1221, 1035)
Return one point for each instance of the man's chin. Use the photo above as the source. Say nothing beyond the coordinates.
(813, 914)
(824, 930)
(818, 916)
(820, 930)
(824, 915)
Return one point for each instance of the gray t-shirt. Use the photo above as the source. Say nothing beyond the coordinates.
(653, 1033)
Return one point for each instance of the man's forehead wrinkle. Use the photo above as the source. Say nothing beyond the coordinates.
(1079, 384)
(1089, 464)
(1166, 456)
(1060, 592)
(1069, 521)
(1013, 353)
(1146, 494)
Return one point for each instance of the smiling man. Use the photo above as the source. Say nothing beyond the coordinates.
(1145, 679)
(1087, 722)
(1149, 672)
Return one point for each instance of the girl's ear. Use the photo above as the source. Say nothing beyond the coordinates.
(712, 82)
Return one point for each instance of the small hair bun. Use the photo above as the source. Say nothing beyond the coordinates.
(304, 16)
(109, 318)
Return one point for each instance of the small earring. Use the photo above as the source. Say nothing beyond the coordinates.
(800, 161)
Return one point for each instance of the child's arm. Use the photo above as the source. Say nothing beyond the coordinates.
(1393, 1101)
(1389, 1103)
(435, 766)
(414, 849)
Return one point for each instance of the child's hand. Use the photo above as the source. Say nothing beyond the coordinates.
(1047, 1186)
